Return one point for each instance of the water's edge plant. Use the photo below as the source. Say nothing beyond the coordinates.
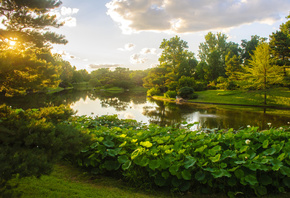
(246, 161)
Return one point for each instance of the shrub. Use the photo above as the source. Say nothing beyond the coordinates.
(94, 82)
(170, 94)
(32, 141)
(185, 92)
(153, 92)
(200, 86)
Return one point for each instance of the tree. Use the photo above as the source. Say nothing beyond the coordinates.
(175, 61)
(212, 54)
(248, 47)
(26, 22)
(261, 71)
(280, 45)
(28, 64)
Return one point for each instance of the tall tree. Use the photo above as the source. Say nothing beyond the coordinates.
(25, 41)
(212, 53)
(280, 45)
(175, 61)
(261, 71)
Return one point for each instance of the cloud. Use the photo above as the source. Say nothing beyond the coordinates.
(65, 55)
(68, 11)
(127, 47)
(64, 15)
(184, 16)
(148, 51)
(137, 59)
(106, 65)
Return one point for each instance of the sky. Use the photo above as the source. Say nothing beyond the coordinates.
(128, 33)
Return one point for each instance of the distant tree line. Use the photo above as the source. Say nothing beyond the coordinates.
(254, 64)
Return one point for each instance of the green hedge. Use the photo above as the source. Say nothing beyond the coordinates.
(247, 161)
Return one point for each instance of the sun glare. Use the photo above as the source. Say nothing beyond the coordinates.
(12, 43)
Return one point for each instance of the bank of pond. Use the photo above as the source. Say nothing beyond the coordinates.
(243, 162)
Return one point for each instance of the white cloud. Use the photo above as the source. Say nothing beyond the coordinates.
(148, 51)
(127, 47)
(68, 11)
(185, 16)
(137, 59)
(105, 65)
(64, 15)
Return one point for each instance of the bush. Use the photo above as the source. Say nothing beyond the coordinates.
(247, 161)
(185, 92)
(94, 82)
(153, 92)
(170, 94)
(200, 86)
(65, 84)
(32, 141)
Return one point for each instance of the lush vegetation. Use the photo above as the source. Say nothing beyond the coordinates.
(247, 161)
(32, 141)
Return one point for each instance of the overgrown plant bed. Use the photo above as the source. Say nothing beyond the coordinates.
(245, 162)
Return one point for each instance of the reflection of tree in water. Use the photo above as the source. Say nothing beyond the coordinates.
(164, 114)
(120, 101)
(168, 114)
(38, 100)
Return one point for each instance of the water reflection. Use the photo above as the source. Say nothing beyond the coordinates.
(130, 105)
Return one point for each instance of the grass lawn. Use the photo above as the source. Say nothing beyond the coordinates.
(67, 181)
(276, 97)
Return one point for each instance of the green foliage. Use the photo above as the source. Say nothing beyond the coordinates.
(185, 92)
(153, 92)
(32, 141)
(247, 161)
(170, 94)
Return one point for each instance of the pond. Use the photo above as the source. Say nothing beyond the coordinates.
(135, 105)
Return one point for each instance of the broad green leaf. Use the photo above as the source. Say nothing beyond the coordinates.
(113, 152)
(94, 145)
(261, 190)
(269, 151)
(123, 144)
(276, 164)
(190, 162)
(185, 186)
(265, 144)
(221, 173)
(144, 161)
(229, 154)
(251, 179)
(173, 169)
(285, 170)
(199, 176)
(108, 143)
(165, 174)
(153, 164)
(146, 144)
(126, 165)
(253, 167)
(176, 182)
(186, 174)
(240, 162)
(239, 173)
(201, 149)
(215, 158)
(265, 179)
(123, 159)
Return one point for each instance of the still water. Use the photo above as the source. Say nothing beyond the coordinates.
(137, 106)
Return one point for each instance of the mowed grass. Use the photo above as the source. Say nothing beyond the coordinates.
(275, 97)
(67, 181)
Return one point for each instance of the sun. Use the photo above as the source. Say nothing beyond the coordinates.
(12, 43)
